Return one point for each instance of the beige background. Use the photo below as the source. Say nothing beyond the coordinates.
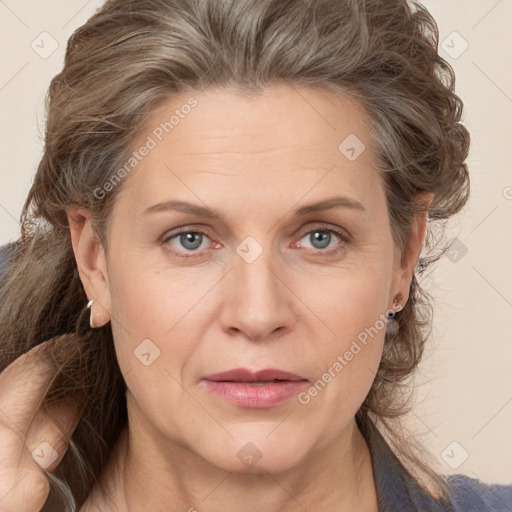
(464, 409)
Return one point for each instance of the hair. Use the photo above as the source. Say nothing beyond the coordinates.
(131, 57)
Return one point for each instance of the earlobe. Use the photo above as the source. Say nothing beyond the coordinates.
(91, 263)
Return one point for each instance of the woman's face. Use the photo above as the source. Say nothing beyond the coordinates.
(272, 281)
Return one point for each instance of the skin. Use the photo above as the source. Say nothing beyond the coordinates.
(25, 437)
(255, 160)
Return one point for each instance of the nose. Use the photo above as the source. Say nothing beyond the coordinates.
(258, 302)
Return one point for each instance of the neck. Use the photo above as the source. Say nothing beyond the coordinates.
(148, 472)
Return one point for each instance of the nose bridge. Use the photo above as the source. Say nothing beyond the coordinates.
(258, 303)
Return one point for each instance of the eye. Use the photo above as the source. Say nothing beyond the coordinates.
(187, 241)
(323, 240)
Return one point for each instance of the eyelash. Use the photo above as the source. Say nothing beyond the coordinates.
(343, 235)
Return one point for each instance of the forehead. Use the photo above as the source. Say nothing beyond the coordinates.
(279, 114)
(283, 137)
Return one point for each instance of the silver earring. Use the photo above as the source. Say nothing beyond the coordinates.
(89, 306)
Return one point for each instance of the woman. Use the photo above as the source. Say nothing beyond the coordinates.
(221, 246)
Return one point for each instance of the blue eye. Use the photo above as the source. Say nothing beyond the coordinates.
(322, 238)
(191, 241)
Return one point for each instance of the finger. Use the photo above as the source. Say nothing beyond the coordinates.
(25, 487)
(31, 440)
(48, 436)
(23, 385)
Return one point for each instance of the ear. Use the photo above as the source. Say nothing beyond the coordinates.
(407, 260)
(91, 262)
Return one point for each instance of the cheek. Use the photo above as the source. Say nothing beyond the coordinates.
(353, 309)
(145, 319)
(348, 301)
(152, 336)
(349, 363)
(149, 302)
(159, 316)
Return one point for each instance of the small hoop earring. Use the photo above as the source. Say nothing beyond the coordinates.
(89, 306)
(98, 314)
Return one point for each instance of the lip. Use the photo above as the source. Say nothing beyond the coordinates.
(245, 375)
(238, 386)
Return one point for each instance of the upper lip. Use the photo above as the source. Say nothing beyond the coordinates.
(245, 375)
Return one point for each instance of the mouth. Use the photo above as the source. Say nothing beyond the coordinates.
(262, 376)
(260, 389)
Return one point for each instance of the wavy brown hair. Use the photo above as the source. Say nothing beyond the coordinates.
(133, 55)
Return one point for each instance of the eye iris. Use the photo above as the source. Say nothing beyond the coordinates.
(188, 238)
(320, 236)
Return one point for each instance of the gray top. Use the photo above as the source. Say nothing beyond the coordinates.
(398, 492)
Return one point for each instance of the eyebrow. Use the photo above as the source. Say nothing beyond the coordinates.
(204, 211)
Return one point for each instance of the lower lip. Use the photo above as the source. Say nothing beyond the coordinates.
(256, 396)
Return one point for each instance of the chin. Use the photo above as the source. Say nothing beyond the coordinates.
(262, 453)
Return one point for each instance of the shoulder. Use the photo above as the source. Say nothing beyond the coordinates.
(397, 490)
(469, 494)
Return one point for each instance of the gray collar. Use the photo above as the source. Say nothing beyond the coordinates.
(396, 489)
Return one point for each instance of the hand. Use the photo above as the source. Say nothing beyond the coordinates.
(30, 442)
